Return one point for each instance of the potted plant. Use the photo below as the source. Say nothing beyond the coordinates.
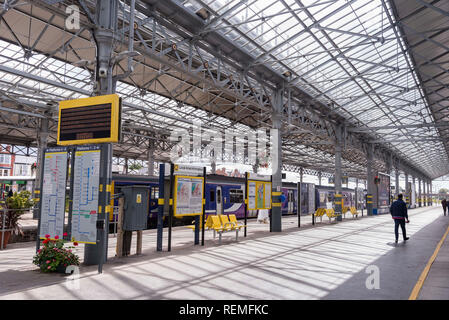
(15, 206)
(53, 257)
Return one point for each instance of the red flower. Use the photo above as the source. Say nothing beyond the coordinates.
(56, 237)
(75, 243)
(47, 236)
(64, 234)
(45, 241)
(47, 262)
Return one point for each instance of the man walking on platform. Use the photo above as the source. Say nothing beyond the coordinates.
(444, 204)
(398, 211)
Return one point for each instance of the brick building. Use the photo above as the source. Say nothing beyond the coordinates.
(6, 161)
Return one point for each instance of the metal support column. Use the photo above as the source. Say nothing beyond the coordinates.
(424, 201)
(407, 191)
(413, 193)
(337, 178)
(396, 192)
(419, 193)
(431, 192)
(104, 35)
(151, 160)
(319, 178)
(42, 144)
(370, 180)
(276, 158)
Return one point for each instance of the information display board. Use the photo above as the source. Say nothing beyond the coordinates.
(259, 195)
(89, 120)
(53, 192)
(188, 198)
(86, 179)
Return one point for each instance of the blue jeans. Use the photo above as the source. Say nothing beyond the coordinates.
(397, 223)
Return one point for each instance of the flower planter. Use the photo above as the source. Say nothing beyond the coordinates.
(60, 269)
(5, 236)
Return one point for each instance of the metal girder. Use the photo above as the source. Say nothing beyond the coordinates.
(251, 88)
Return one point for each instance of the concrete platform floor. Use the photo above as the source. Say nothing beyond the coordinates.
(325, 261)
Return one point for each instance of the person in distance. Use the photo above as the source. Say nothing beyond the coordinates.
(444, 204)
(399, 214)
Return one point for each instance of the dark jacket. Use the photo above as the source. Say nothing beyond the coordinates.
(444, 203)
(398, 210)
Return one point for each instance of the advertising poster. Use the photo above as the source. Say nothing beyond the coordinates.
(259, 195)
(260, 188)
(267, 195)
(188, 196)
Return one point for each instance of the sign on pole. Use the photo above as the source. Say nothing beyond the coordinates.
(89, 120)
(259, 195)
(188, 193)
(53, 192)
(86, 181)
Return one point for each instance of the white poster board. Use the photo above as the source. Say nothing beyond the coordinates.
(188, 196)
(53, 192)
(86, 179)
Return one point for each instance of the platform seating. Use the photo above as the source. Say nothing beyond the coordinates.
(233, 219)
(354, 212)
(219, 227)
(193, 224)
(320, 213)
(330, 213)
(344, 210)
(227, 225)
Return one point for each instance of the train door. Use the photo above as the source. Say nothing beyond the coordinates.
(219, 200)
(290, 201)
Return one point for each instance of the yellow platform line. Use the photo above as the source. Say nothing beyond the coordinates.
(425, 272)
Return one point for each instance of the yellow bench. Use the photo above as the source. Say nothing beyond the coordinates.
(233, 219)
(354, 212)
(320, 213)
(193, 224)
(221, 224)
(330, 213)
(344, 210)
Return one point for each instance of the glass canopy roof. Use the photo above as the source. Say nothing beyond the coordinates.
(347, 54)
(343, 53)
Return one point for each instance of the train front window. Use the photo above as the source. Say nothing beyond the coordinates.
(154, 192)
(212, 196)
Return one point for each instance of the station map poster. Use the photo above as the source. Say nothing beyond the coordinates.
(53, 192)
(259, 195)
(188, 196)
(384, 190)
(86, 179)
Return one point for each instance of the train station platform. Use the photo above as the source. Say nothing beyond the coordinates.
(325, 261)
